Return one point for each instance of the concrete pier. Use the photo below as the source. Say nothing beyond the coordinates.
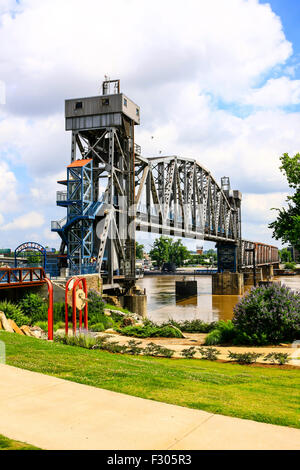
(249, 279)
(186, 289)
(268, 272)
(227, 284)
(136, 303)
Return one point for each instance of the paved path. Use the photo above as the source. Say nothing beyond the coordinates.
(52, 413)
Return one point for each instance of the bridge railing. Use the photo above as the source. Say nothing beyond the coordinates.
(16, 277)
(264, 254)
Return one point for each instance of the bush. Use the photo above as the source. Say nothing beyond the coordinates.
(81, 340)
(15, 313)
(133, 347)
(151, 331)
(193, 326)
(223, 333)
(166, 352)
(279, 358)
(244, 358)
(152, 349)
(268, 314)
(290, 265)
(211, 354)
(34, 307)
(97, 327)
(214, 337)
(95, 306)
(189, 353)
(59, 312)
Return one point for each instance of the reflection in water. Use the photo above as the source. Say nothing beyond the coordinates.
(162, 305)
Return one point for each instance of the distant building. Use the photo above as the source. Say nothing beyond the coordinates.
(199, 250)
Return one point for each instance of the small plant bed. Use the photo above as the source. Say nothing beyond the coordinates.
(265, 393)
(149, 330)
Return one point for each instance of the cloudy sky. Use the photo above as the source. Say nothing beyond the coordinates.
(216, 80)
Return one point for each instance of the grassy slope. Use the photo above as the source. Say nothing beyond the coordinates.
(262, 394)
(10, 444)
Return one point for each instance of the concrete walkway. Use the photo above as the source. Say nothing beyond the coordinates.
(52, 413)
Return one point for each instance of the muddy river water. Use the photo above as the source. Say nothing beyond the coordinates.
(162, 305)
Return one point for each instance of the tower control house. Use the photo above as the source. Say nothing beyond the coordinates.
(98, 233)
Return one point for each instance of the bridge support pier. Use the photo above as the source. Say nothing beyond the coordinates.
(249, 279)
(227, 257)
(186, 289)
(227, 284)
(136, 303)
(268, 272)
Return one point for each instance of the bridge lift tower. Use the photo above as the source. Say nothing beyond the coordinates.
(99, 230)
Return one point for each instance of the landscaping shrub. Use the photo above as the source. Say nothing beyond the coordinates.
(133, 347)
(15, 313)
(214, 337)
(59, 312)
(267, 314)
(81, 340)
(290, 265)
(150, 331)
(34, 307)
(152, 349)
(223, 333)
(95, 305)
(166, 352)
(244, 358)
(211, 354)
(189, 353)
(97, 327)
(192, 326)
(279, 358)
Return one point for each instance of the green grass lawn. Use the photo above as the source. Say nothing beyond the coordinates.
(268, 395)
(10, 444)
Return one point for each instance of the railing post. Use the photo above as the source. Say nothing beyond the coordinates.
(66, 306)
(50, 309)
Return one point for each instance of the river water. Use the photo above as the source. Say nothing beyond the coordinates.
(162, 305)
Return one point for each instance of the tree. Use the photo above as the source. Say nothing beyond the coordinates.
(139, 250)
(165, 250)
(160, 250)
(285, 255)
(33, 258)
(178, 253)
(287, 225)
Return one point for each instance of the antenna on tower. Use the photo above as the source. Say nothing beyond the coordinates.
(106, 86)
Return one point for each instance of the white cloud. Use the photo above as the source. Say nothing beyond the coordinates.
(276, 92)
(8, 189)
(176, 59)
(26, 221)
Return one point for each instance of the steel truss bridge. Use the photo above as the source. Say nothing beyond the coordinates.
(112, 192)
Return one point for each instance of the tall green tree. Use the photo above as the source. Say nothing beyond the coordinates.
(178, 253)
(165, 250)
(139, 250)
(287, 225)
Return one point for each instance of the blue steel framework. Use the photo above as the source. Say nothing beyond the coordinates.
(76, 230)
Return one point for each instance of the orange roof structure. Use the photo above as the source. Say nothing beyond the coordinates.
(79, 163)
